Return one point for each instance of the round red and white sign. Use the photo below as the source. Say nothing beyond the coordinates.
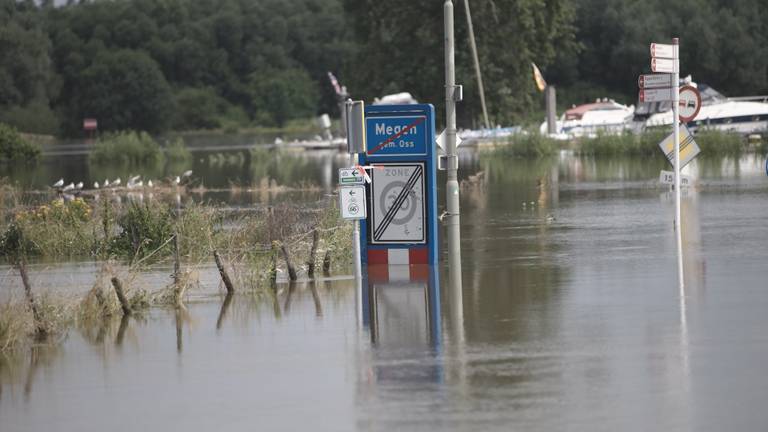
(690, 103)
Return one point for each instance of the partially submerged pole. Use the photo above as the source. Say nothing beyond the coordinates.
(288, 263)
(452, 94)
(223, 272)
(313, 254)
(676, 133)
(550, 103)
(39, 328)
(473, 48)
(121, 296)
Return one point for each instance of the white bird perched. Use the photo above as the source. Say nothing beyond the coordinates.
(187, 173)
(68, 187)
(106, 182)
(134, 178)
(116, 182)
(79, 186)
(59, 183)
(149, 183)
(95, 185)
(139, 184)
(176, 181)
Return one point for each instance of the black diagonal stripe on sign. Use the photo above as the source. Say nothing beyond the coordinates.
(399, 200)
(683, 145)
(401, 197)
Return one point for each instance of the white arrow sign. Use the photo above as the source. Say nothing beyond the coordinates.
(664, 65)
(654, 81)
(440, 140)
(663, 50)
(655, 95)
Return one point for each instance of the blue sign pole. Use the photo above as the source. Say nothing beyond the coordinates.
(401, 227)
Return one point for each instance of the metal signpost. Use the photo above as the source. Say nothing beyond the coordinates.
(655, 88)
(401, 227)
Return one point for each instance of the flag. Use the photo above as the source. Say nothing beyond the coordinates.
(540, 83)
(334, 83)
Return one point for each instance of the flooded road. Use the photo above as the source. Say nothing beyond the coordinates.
(570, 318)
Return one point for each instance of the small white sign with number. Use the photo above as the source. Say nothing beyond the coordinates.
(668, 178)
(352, 202)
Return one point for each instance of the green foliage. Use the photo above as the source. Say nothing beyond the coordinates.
(399, 37)
(59, 229)
(36, 117)
(627, 143)
(177, 153)
(144, 229)
(14, 148)
(123, 89)
(126, 148)
(282, 95)
(717, 143)
(528, 144)
(198, 108)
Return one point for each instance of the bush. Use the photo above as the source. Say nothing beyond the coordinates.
(36, 118)
(126, 148)
(59, 229)
(14, 148)
(144, 229)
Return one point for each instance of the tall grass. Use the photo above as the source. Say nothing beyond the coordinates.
(626, 143)
(717, 143)
(126, 148)
(528, 144)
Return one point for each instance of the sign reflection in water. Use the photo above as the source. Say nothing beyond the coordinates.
(401, 310)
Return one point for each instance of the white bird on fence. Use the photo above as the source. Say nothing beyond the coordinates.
(134, 179)
(176, 181)
(115, 183)
(187, 173)
(59, 183)
(68, 187)
(106, 182)
(79, 186)
(95, 185)
(139, 184)
(149, 183)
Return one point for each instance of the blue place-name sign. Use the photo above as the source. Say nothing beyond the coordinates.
(396, 136)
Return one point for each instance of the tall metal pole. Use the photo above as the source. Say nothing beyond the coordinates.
(473, 47)
(452, 161)
(676, 132)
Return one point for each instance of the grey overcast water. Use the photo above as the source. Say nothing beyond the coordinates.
(571, 319)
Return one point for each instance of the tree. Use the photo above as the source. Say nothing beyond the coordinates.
(401, 49)
(282, 95)
(123, 90)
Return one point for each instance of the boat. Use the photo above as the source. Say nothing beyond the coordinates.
(744, 115)
(602, 116)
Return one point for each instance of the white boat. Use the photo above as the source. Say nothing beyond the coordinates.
(743, 115)
(602, 116)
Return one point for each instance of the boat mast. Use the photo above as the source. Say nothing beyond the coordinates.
(473, 47)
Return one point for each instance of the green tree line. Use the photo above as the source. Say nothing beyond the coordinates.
(156, 65)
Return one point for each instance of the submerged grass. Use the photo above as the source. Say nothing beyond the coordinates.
(530, 144)
(711, 142)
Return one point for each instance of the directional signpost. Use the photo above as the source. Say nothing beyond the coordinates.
(654, 81)
(401, 227)
(685, 106)
(656, 95)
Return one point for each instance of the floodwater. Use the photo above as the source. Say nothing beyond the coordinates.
(570, 318)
